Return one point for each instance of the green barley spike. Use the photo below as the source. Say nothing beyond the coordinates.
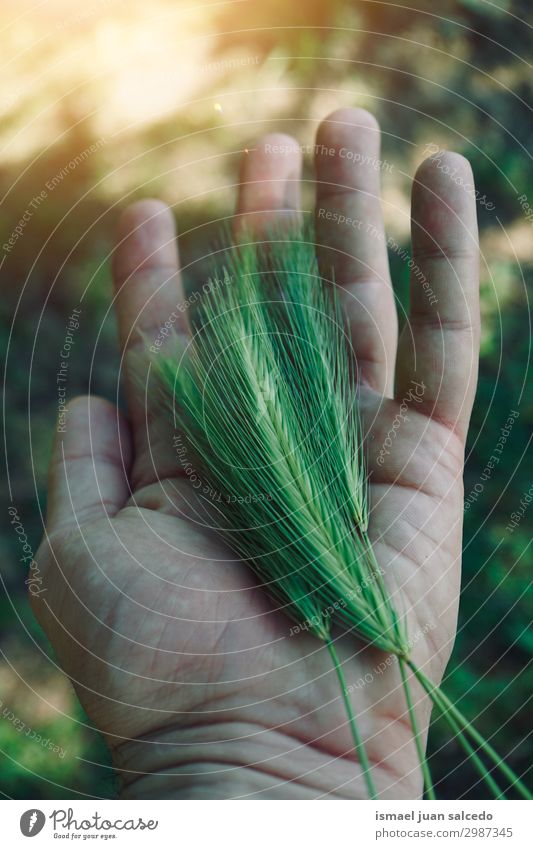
(264, 398)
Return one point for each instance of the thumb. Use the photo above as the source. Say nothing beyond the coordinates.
(90, 464)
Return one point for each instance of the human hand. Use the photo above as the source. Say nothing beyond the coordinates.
(177, 656)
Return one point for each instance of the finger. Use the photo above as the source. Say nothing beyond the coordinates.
(150, 308)
(351, 240)
(269, 191)
(90, 463)
(440, 342)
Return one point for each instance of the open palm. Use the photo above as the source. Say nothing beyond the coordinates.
(202, 688)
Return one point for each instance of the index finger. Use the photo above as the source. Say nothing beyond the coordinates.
(150, 303)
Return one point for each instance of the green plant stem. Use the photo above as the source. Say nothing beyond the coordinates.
(471, 753)
(358, 742)
(491, 753)
(468, 728)
(428, 784)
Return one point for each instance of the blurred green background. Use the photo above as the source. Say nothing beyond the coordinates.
(160, 99)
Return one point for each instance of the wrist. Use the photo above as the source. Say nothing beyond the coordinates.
(236, 760)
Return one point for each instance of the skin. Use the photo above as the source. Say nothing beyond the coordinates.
(178, 658)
